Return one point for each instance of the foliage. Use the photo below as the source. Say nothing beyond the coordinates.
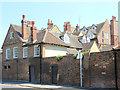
(59, 57)
(74, 56)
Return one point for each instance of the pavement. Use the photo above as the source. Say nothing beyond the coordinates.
(37, 86)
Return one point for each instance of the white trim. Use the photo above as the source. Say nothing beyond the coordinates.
(14, 52)
(7, 53)
(35, 51)
(24, 52)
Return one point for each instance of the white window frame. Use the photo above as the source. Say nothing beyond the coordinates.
(25, 54)
(35, 55)
(7, 53)
(11, 35)
(14, 52)
(106, 35)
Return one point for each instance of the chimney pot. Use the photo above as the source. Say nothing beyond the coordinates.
(48, 20)
(51, 21)
(33, 23)
(113, 17)
(23, 17)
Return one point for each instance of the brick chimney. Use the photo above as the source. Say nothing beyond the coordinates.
(24, 28)
(114, 31)
(33, 32)
(50, 24)
(67, 26)
(77, 28)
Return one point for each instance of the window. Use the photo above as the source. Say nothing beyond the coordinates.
(93, 28)
(25, 52)
(5, 67)
(66, 38)
(36, 51)
(11, 35)
(8, 53)
(84, 30)
(106, 35)
(8, 66)
(15, 52)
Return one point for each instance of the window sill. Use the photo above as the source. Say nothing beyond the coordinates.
(25, 57)
(36, 56)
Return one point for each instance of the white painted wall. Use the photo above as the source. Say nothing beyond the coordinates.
(52, 50)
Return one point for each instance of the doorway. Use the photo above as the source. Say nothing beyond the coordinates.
(54, 69)
(31, 74)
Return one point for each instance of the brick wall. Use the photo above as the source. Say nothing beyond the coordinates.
(98, 70)
(68, 70)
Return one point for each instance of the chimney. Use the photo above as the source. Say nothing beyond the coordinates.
(77, 28)
(24, 28)
(67, 26)
(114, 31)
(33, 32)
(50, 24)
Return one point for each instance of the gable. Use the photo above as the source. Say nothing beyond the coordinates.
(55, 29)
(94, 48)
(15, 38)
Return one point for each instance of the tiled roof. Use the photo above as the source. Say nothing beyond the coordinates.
(17, 28)
(51, 39)
(45, 36)
(87, 46)
(106, 48)
(74, 42)
(42, 36)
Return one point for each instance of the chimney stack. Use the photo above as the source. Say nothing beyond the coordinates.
(114, 31)
(24, 28)
(33, 32)
(67, 26)
(77, 28)
(50, 24)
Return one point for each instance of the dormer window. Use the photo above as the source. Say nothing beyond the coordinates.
(93, 27)
(84, 29)
(66, 38)
(11, 35)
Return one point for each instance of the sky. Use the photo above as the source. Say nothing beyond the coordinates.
(83, 13)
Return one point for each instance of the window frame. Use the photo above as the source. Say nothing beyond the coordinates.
(7, 53)
(35, 51)
(25, 56)
(14, 52)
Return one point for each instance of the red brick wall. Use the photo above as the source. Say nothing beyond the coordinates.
(99, 70)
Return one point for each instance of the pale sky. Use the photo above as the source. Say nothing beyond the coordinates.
(59, 12)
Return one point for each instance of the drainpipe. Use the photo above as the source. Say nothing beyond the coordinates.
(17, 69)
(40, 48)
(115, 66)
(80, 58)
